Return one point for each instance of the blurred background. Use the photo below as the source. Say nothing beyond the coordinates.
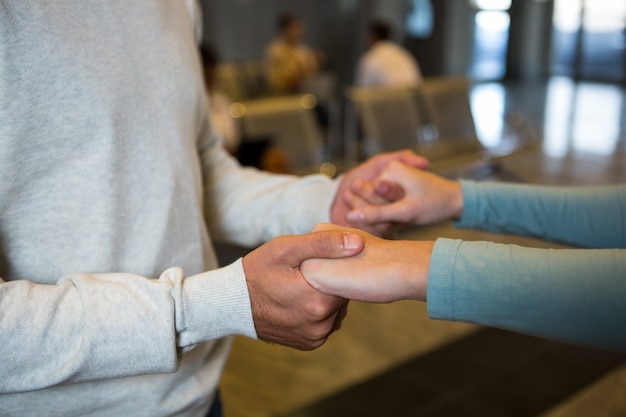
(487, 39)
(512, 90)
(522, 59)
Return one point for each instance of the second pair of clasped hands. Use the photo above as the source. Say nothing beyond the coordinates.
(312, 276)
(387, 270)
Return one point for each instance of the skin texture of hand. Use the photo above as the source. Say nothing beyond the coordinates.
(362, 178)
(428, 198)
(385, 271)
(285, 308)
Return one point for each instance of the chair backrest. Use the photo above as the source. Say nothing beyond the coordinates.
(253, 76)
(446, 101)
(389, 117)
(242, 80)
(322, 85)
(291, 122)
(228, 81)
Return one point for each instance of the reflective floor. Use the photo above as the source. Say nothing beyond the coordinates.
(392, 360)
(569, 118)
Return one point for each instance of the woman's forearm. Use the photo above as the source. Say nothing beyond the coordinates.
(573, 295)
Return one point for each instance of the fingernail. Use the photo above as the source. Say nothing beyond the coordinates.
(351, 241)
(356, 216)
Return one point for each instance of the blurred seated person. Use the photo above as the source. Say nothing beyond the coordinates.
(257, 152)
(261, 153)
(289, 60)
(386, 63)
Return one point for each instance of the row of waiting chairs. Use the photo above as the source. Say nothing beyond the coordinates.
(247, 80)
(434, 119)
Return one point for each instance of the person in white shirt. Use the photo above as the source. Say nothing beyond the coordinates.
(386, 63)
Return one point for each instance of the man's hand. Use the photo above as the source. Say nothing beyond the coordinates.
(428, 198)
(285, 308)
(360, 179)
(384, 271)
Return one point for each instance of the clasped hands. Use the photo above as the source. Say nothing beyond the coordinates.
(300, 285)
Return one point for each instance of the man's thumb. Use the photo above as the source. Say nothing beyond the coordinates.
(328, 244)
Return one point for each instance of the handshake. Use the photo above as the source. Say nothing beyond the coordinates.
(300, 285)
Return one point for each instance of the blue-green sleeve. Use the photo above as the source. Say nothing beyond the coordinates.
(570, 295)
(592, 217)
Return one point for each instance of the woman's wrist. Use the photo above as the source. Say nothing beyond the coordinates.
(417, 275)
(456, 200)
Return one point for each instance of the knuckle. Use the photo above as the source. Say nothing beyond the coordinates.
(321, 331)
(280, 246)
(318, 310)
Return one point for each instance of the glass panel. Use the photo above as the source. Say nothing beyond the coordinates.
(567, 14)
(603, 39)
(490, 45)
(501, 5)
(419, 23)
(595, 30)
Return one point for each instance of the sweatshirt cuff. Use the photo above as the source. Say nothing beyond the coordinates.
(330, 196)
(216, 304)
(441, 285)
(317, 202)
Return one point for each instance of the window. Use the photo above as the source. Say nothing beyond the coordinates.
(491, 37)
(419, 22)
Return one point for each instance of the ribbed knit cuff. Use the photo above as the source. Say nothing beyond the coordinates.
(216, 304)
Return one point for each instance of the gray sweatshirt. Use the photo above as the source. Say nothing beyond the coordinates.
(111, 187)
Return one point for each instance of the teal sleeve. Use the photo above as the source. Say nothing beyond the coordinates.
(571, 295)
(593, 217)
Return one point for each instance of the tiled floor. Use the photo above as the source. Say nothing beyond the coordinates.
(391, 360)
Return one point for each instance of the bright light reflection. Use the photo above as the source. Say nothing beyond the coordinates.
(600, 15)
(558, 116)
(583, 117)
(596, 124)
(604, 16)
(493, 4)
(493, 21)
(567, 15)
(487, 102)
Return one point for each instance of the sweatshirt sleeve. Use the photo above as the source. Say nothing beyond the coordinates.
(592, 217)
(248, 207)
(569, 295)
(57, 334)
